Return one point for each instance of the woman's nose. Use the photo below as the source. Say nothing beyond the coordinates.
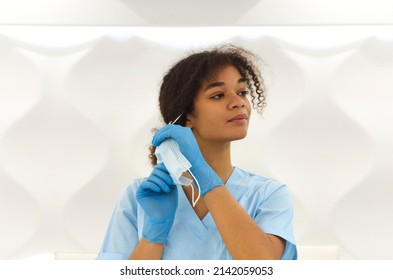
(237, 101)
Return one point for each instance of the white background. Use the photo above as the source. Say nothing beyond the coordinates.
(78, 91)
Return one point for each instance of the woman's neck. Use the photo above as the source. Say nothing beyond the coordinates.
(218, 156)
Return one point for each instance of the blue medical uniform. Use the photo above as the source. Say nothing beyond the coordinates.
(266, 200)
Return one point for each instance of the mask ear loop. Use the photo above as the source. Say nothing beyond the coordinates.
(194, 201)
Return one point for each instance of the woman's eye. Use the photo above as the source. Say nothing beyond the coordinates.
(243, 93)
(217, 96)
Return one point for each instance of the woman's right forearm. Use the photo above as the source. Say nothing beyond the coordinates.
(146, 250)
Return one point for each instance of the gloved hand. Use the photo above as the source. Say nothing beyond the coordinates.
(207, 178)
(157, 195)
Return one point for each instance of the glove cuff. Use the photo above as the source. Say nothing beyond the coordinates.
(207, 180)
(156, 232)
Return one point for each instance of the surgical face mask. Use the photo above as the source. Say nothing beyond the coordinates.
(169, 154)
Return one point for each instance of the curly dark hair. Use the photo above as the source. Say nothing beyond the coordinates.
(184, 79)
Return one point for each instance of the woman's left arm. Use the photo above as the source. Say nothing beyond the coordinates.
(241, 235)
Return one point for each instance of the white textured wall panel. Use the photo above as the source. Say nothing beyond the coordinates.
(77, 106)
(195, 12)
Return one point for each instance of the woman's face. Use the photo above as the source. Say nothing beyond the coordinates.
(221, 108)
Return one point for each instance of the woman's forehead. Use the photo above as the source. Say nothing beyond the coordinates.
(216, 74)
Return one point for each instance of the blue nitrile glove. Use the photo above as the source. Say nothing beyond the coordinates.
(207, 178)
(157, 195)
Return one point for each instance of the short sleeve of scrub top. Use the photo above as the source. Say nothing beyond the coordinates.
(266, 201)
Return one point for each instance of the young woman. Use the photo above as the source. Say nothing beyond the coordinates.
(239, 215)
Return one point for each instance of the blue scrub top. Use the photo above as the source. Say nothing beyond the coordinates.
(266, 200)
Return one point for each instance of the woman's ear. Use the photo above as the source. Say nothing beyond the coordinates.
(189, 122)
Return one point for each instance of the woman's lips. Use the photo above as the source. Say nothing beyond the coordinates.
(240, 118)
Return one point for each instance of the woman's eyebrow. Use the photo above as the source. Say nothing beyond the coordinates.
(220, 84)
(215, 84)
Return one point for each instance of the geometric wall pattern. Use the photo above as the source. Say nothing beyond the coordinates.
(77, 106)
